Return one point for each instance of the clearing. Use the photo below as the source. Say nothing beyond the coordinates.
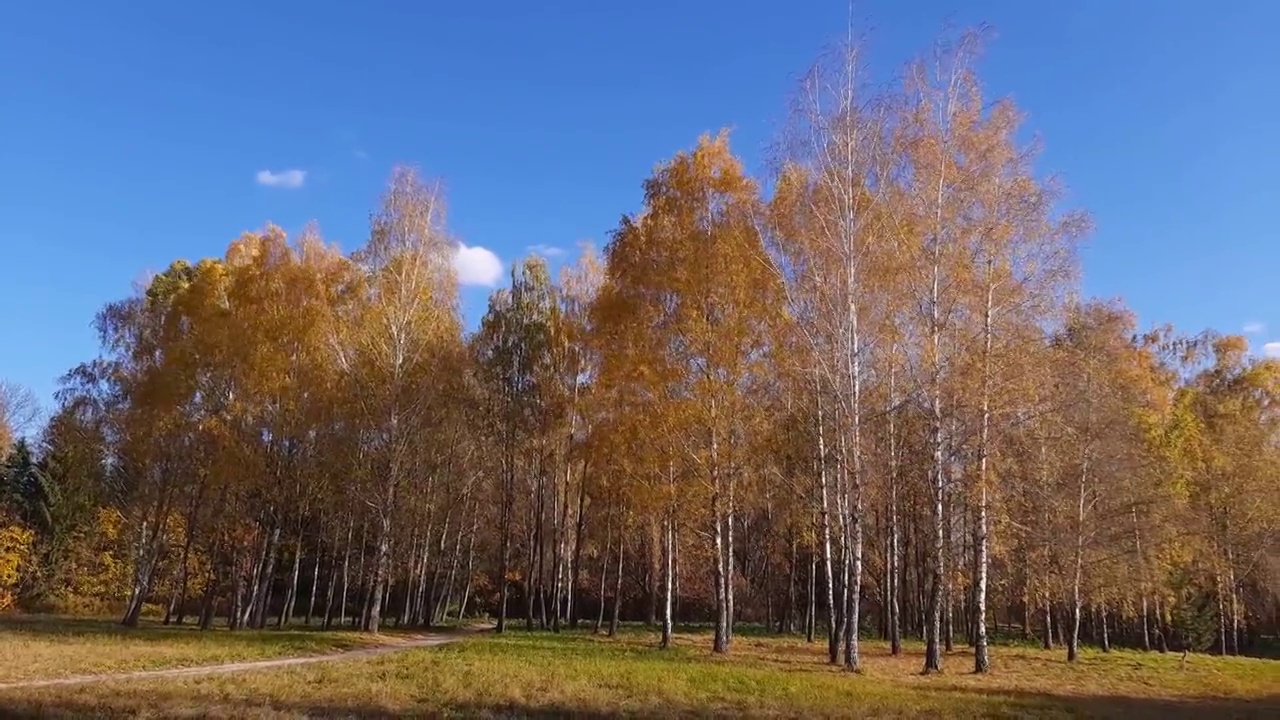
(42, 647)
(524, 674)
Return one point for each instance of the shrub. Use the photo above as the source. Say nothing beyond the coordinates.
(15, 555)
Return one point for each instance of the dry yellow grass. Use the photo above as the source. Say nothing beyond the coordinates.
(37, 647)
(541, 675)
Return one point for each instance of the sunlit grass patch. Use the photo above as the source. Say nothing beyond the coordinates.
(538, 674)
(38, 647)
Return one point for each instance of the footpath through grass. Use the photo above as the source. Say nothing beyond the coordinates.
(578, 675)
(34, 647)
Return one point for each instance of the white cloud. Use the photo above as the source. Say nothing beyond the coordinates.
(1254, 328)
(1271, 349)
(477, 266)
(360, 154)
(549, 251)
(289, 179)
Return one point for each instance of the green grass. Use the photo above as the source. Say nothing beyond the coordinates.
(575, 674)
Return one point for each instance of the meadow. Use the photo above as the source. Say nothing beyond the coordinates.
(577, 674)
(37, 647)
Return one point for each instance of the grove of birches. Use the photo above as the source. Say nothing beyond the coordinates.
(859, 395)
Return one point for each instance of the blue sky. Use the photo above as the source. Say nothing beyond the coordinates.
(135, 133)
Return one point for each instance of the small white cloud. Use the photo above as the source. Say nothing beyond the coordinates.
(477, 266)
(1254, 328)
(288, 179)
(360, 154)
(549, 251)
(1271, 349)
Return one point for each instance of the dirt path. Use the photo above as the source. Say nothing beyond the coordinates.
(395, 644)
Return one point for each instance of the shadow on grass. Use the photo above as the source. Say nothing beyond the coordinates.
(293, 638)
(76, 625)
(981, 704)
(1113, 706)
(68, 625)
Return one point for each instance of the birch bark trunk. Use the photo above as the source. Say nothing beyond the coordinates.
(668, 554)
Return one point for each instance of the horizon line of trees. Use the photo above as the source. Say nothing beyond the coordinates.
(860, 397)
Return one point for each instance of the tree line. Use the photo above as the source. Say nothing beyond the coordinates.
(858, 396)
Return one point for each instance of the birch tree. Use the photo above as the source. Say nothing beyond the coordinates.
(687, 307)
(389, 344)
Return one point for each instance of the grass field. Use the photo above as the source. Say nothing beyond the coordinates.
(576, 674)
(38, 647)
